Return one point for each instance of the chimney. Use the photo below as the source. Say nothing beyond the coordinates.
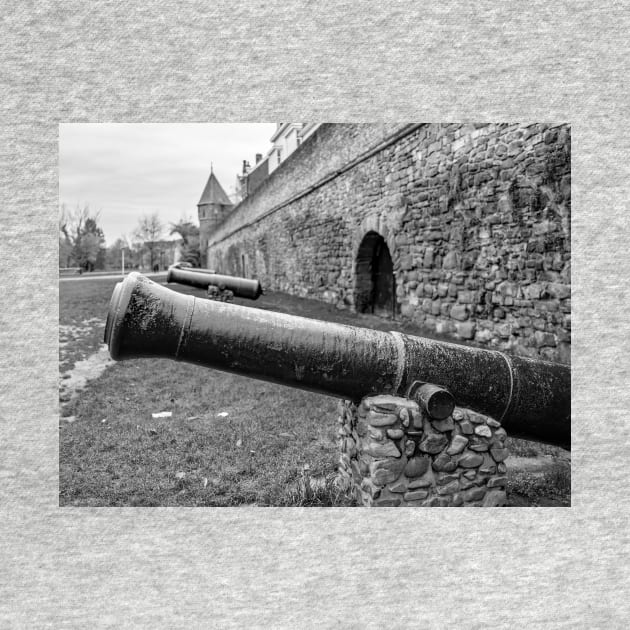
(258, 157)
(245, 167)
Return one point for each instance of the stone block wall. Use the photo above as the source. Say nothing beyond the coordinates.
(394, 455)
(476, 218)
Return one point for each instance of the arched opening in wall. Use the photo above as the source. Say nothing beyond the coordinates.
(375, 285)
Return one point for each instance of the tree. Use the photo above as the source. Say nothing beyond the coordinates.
(90, 252)
(66, 234)
(114, 253)
(137, 251)
(81, 240)
(189, 233)
(65, 245)
(149, 231)
(65, 251)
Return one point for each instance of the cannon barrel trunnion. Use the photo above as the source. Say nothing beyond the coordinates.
(531, 398)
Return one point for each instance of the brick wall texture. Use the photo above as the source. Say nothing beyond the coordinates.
(476, 218)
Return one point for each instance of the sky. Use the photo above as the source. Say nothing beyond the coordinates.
(125, 171)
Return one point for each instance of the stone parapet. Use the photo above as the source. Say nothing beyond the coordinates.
(395, 455)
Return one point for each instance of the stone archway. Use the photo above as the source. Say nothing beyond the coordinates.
(375, 285)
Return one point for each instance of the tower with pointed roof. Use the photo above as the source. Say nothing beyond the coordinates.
(213, 207)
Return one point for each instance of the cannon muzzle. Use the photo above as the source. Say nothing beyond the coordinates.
(202, 278)
(531, 398)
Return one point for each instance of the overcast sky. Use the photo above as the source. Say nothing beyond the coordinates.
(127, 170)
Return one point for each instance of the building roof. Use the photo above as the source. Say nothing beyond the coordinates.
(214, 193)
(281, 128)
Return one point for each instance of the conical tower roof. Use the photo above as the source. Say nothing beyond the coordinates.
(214, 193)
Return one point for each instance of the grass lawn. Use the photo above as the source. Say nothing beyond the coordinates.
(230, 440)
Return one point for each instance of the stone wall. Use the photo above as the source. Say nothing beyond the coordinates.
(394, 455)
(476, 218)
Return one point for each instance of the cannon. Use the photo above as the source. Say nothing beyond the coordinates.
(530, 397)
(203, 279)
(187, 265)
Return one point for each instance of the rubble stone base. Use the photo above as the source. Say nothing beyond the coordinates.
(219, 295)
(394, 455)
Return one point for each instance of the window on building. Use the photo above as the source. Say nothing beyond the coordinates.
(279, 156)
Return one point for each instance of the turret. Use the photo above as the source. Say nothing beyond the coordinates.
(213, 208)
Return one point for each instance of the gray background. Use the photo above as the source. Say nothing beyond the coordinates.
(326, 61)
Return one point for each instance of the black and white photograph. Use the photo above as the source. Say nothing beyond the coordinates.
(315, 314)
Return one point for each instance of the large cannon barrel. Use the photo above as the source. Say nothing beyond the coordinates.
(532, 398)
(201, 278)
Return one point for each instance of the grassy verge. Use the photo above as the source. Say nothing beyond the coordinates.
(551, 488)
(526, 448)
(272, 442)
(82, 312)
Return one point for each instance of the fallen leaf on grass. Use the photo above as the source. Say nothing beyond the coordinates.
(180, 475)
(193, 418)
(239, 443)
(162, 414)
(204, 481)
(222, 414)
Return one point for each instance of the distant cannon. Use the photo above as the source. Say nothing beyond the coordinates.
(205, 279)
(187, 265)
(531, 398)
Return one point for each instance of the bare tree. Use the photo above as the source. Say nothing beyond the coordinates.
(65, 243)
(81, 240)
(149, 231)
